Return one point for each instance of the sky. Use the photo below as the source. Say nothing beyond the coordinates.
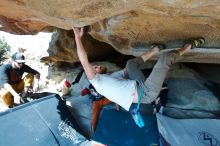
(33, 43)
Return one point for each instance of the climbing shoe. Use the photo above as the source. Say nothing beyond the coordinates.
(198, 43)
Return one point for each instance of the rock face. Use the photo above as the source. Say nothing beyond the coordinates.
(62, 48)
(129, 26)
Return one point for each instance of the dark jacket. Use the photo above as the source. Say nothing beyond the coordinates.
(10, 75)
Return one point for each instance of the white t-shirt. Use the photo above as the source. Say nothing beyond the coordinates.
(115, 88)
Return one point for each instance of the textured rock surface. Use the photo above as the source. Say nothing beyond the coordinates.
(130, 26)
(190, 94)
(138, 29)
(62, 48)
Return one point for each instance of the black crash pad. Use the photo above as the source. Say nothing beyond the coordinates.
(117, 128)
(43, 122)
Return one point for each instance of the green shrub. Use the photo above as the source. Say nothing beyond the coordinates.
(4, 50)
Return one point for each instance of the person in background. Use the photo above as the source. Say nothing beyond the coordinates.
(12, 81)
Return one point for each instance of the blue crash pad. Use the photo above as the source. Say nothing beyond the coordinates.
(117, 128)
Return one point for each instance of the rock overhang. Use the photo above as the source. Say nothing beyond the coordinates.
(130, 26)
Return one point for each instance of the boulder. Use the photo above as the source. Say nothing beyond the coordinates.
(130, 27)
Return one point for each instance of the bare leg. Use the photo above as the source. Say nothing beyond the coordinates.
(147, 55)
(194, 44)
(133, 65)
(184, 49)
(152, 86)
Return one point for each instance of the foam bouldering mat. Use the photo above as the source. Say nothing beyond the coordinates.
(43, 122)
(117, 128)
